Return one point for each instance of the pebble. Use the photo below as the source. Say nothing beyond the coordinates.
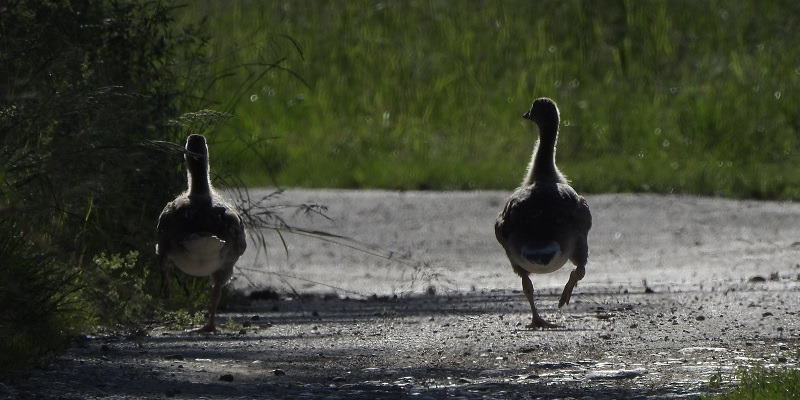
(226, 378)
(278, 372)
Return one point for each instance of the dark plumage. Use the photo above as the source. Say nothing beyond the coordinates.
(198, 231)
(545, 222)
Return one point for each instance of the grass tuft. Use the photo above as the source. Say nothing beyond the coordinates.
(764, 384)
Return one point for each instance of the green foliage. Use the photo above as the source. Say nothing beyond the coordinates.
(116, 288)
(88, 90)
(694, 97)
(181, 319)
(33, 314)
(762, 383)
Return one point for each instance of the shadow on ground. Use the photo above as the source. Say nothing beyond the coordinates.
(466, 345)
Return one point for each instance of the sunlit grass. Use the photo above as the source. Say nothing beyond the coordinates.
(763, 384)
(686, 97)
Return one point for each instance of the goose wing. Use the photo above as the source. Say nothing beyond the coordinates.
(169, 225)
(544, 212)
(182, 218)
(232, 229)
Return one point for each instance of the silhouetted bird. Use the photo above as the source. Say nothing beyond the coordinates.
(545, 222)
(198, 231)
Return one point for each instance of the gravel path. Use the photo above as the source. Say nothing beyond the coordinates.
(722, 292)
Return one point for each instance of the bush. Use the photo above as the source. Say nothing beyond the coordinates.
(33, 317)
(87, 90)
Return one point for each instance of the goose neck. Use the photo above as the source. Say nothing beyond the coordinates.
(543, 160)
(199, 182)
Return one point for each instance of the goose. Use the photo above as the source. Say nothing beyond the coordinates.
(199, 232)
(545, 222)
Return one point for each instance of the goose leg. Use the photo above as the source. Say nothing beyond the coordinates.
(218, 279)
(166, 276)
(216, 293)
(536, 320)
(580, 257)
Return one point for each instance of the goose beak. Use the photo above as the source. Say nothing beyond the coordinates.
(527, 115)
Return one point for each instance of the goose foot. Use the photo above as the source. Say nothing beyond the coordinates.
(574, 277)
(536, 320)
(539, 323)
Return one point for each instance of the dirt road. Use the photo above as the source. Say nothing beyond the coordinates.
(723, 287)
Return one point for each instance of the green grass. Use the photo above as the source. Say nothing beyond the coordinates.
(763, 384)
(656, 96)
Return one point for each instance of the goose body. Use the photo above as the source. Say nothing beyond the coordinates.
(544, 222)
(198, 232)
(201, 255)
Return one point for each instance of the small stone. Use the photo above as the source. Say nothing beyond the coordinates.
(178, 357)
(781, 359)
(700, 318)
(766, 314)
(278, 372)
(242, 332)
(255, 318)
(757, 278)
(464, 380)
(337, 379)
(226, 378)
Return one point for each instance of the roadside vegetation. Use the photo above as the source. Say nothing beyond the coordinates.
(667, 97)
(95, 99)
(764, 384)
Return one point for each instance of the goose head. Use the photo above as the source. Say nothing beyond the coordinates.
(196, 155)
(544, 113)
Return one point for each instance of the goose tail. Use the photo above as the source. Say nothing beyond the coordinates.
(541, 254)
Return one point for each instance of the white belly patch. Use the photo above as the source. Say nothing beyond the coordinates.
(526, 257)
(202, 256)
(554, 265)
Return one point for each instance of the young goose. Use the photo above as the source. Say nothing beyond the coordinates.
(544, 223)
(198, 231)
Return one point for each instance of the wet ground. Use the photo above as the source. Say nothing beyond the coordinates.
(722, 292)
